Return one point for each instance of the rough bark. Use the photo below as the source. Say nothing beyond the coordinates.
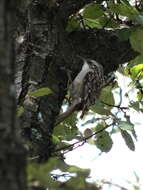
(12, 154)
(49, 53)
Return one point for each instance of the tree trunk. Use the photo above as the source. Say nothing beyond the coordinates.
(12, 154)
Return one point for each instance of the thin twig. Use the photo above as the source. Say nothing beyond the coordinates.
(116, 185)
(83, 140)
(115, 106)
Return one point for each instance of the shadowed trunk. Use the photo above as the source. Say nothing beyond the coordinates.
(12, 154)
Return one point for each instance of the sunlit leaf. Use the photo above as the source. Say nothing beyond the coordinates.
(124, 9)
(78, 182)
(128, 140)
(105, 102)
(107, 96)
(74, 169)
(126, 2)
(99, 126)
(101, 22)
(138, 60)
(41, 172)
(93, 11)
(40, 92)
(103, 141)
(99, 108)
(20, 111)
(140, 96)
(71, 120)
(55, 139)
(91, 142)
(136, 40)
(92, 23)
(137, 71)
(67, 129)
(124, 125)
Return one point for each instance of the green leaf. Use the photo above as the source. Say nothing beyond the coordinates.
(99, 126)
(20, 111)
(67, 130)
(92, 23)
(71, 121)
(101, 22)
(99, 108)
(124, 125)
(124, 9)
(107, 96)
(136, 40)
(110, 23)
(73, 24)
(124, 34)
(138, 60)
(79, 171)
(126, 2)
(103, 141)
(91, 142)
(135, 105)
(128, 140)
(137, 19)
(55, 139)
(93, 11)
(140, 97)
(134, 134)
(137, 71)
(40, 92)
(40, 172)
(78, 182)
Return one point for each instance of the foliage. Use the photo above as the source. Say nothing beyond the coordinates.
(66, 177)
(40, 92)
(108, 115)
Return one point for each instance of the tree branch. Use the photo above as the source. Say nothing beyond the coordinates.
(82, 140)
(103, 46)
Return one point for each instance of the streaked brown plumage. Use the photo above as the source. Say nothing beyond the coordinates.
(93, 83)
(88, 84)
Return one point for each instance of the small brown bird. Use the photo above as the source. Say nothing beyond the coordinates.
(87, 85)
